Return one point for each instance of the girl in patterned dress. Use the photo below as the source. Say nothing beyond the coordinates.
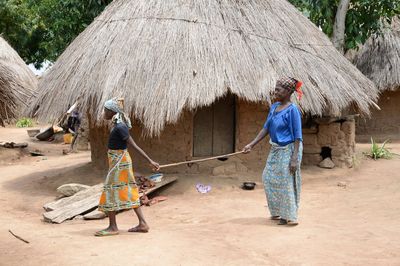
(120, 190)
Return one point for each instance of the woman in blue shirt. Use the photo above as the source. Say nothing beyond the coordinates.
(281, 176)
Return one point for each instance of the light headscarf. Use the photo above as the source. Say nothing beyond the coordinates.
(120, 116)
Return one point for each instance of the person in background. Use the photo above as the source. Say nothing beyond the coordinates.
(74, 124)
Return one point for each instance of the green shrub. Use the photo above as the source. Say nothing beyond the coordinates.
(24, 122)
(379, 152)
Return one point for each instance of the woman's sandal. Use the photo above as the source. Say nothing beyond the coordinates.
(106, 233)
(292, 223)
(282, 222)
(287, 222)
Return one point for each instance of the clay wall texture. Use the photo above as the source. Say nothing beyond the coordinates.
(176, 142)
(383, 124)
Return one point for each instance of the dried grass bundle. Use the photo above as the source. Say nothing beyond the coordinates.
(166, 56)
(17, 82)
(379, 59)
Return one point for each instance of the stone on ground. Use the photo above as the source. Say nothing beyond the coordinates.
(327, 163)
(71, 189)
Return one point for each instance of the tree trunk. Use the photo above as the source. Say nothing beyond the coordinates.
(340, 25)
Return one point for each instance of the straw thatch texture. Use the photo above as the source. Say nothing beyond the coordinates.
(379, 59)
(165, 56)
(17, 82)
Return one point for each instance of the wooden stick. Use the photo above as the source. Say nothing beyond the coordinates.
(18, 237)
(202, 160)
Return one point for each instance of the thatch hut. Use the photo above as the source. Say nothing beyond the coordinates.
(379, 59)
(17, 83)
(197, 75)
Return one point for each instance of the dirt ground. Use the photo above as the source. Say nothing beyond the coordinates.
(355, 224)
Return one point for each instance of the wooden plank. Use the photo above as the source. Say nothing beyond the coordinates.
(63, 202)
(224, 126)
(60, 215)
(165, 181)
(202, 132)
(87, 201)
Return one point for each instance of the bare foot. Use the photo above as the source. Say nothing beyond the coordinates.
(139, 229)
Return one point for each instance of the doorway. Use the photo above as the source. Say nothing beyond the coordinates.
(214, 128)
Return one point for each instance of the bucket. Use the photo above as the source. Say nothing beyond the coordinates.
(68, 138)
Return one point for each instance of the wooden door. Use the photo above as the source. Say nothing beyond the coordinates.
(214, 128)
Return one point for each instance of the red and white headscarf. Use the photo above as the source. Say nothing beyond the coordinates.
(291, 84)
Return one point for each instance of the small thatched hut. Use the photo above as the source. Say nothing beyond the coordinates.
(197, 75)
(379, 59)
(17, 83)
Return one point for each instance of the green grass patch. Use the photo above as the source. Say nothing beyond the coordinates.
(24, 122)
(379, 151)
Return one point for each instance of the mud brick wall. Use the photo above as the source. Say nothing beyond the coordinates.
(174, 144)
(176, 141)
(383, 124)
(250, 118)
(338, 137)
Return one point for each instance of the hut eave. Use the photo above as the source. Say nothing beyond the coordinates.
(164, 57)
(17, 83)
(379, 58)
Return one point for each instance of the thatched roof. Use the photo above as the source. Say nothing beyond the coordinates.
(165, 56)
(17, 82)
(379, 58)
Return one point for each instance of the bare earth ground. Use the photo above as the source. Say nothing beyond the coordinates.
(354, 225)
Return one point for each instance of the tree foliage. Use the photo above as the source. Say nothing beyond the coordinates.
(364, 17)
(41, 29)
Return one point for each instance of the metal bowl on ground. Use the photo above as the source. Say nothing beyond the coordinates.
(157, 178)
(33, 132)
(248, 185)
(45, 135)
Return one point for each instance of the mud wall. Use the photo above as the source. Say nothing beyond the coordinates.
(335, 140)
(383, 124)
(250, 118)
(176, 142)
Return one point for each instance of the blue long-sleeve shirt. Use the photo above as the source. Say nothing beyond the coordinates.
(284, 127)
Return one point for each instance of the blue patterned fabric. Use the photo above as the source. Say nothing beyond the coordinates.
(281, 187)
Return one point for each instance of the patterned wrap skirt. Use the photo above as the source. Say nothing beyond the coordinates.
(120, 189)
(282, 188)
